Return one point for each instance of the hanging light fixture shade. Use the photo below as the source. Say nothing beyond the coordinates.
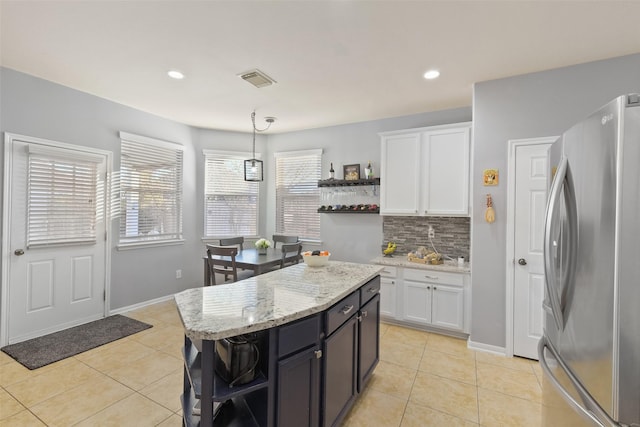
(253, 168)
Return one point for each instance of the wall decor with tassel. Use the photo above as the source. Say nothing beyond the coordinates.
(490, 213)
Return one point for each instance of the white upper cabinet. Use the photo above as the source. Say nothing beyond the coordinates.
(426, 171)
(400, 165)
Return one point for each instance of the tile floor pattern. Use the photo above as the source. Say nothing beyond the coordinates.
(423, 379)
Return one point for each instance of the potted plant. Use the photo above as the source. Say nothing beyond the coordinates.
(262, 245)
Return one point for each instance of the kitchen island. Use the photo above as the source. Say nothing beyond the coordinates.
(311, 325)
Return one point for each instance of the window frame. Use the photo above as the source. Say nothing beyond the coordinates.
(240, 157)
(314, 180)
(173, 238)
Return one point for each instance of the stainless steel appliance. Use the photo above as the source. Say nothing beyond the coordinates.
(590, 350)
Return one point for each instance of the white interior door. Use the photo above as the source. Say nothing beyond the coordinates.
(57, 237)
(531, 164)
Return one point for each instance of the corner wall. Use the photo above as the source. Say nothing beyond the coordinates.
(528, 106)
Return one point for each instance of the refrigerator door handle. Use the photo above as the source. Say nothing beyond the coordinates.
(591, 409)
(549, 273)
(562, 184)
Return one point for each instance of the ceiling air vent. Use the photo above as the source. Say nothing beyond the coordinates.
(257, 78)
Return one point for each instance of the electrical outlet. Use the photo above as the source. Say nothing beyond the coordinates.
(178, 274)
(431, 232)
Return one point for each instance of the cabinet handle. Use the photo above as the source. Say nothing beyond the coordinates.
(428, 287)
(364, 313)
(432, 277)
(435, 289)
(318, 354)
(393, 282)
(346, 309)
(371, 290)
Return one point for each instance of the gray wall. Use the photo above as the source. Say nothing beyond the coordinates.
(352, 237)
(38, 108)
(35, 107)
(528, 106)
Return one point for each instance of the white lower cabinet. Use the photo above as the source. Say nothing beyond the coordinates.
(447, 307)
(426, 297)
(388, 292)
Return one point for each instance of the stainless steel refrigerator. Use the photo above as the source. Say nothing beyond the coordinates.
(590, 350)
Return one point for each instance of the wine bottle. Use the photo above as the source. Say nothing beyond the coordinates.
(368, 171)
(332, 173)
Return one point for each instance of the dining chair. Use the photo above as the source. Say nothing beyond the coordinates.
(283, 239)
(290, 254)
(218, 266)
(233, 241)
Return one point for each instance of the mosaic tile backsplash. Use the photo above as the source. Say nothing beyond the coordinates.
(452, 234)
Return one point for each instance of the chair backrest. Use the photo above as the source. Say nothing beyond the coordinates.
(233, 241)
(283, 239)
(290, 254)
(219, 266)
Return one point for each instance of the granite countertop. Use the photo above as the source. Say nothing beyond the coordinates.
(268, 300)
(402, 261)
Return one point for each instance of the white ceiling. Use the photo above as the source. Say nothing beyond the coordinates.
(335, 61)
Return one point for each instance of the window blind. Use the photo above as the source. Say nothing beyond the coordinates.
(297, 193)
(231, 204)
(62, 200)
(150, 190)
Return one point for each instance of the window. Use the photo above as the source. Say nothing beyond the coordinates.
(150, 190)
(297, 193)
(64, 197)
(230, 202)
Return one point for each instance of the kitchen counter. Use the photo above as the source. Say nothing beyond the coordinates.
(402, 261)
(268, 300)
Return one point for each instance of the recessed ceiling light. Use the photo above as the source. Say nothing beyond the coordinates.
(432, 74)
(175, 74)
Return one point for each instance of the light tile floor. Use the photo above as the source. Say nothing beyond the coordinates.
(423, 379)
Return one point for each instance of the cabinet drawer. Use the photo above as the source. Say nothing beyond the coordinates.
(369, 290)
(298, 335)
(433, 276)
(342, 311)
(389, 271)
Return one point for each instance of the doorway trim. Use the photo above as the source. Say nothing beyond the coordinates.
(6, 220)
(511, 208)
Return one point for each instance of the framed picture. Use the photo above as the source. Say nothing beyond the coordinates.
(351, 172)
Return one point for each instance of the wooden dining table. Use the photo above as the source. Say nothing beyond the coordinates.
(248, 259)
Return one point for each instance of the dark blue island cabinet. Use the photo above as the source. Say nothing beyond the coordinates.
(313, 371)
(351, 350)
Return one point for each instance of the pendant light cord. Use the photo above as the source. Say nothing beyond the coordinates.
(269, 120)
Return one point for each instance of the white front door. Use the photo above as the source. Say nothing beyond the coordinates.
(531, 164)
(56, 246)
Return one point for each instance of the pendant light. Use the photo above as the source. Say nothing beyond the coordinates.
(253, 170)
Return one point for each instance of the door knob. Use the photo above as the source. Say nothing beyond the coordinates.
(522, 261)
(19, 252)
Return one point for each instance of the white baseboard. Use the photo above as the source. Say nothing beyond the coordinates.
(487, 348)
(141, 304)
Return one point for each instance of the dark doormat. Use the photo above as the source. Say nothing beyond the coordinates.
(38, 352)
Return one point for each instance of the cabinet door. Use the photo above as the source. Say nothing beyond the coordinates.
(340, 372)
(369, 340)
(399, 174)
(448, 307)
(446, 186)
(388, 297)
(298, 390)
(417, 301)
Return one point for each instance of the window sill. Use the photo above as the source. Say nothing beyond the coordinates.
(140, 245)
